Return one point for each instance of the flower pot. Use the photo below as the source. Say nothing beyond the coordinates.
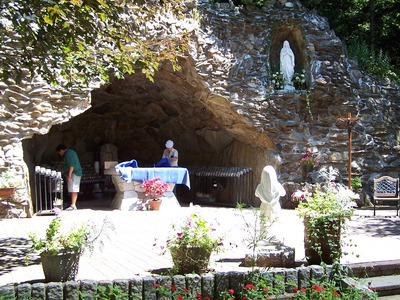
(155, 205)
(7, 192)
(329, 243)
(188, 259)
(309, 169)
(60, 267)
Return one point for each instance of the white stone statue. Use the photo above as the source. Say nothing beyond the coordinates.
(269, 191)
(287, 62)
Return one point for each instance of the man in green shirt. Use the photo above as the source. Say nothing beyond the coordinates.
(73, 172)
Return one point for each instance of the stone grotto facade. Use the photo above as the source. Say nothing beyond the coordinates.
(221, 108)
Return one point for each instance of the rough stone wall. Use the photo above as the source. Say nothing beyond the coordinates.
(29, 108)
(232, 56)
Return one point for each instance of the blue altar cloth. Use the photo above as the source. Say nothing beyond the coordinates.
(177, 175)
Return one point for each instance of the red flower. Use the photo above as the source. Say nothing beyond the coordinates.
(295, 290)
(185, 290)
(372, 288)
(180, 297)
(316, 288)
(207, 298)
(199, 296)
(156, 285)
(334, 292)
(266, 290)
(303, 290)
(173, 288)
(250, 286)
(231, 291)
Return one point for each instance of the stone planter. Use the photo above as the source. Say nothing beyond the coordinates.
(189, 259)
(61, 267)
(329, 243)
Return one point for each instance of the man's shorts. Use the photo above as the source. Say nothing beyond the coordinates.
(73, 185)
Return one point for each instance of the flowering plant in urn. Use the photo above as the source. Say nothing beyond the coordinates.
(154, 188)
(308, 160)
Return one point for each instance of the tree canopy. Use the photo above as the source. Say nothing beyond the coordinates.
(75, 42)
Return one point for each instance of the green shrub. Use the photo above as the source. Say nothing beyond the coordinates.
(374, 62)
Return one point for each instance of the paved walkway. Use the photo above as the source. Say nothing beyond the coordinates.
(130, 251)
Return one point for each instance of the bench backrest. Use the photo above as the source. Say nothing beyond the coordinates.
(386, 186)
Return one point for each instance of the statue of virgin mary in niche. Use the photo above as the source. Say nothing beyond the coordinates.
(287, 65)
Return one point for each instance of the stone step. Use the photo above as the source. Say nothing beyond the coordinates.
(373, 269)
(391, 297)
(384, 285)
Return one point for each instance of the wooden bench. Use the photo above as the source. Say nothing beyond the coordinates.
(386, 188)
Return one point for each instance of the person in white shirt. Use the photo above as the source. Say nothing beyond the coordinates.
(171, 153)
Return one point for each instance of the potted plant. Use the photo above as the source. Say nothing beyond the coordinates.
(154, 189)
(191, 244)
(325, 208)
(63, 245)
(308, 161)
(9, 182)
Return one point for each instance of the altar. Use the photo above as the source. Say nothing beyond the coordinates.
(127, 179)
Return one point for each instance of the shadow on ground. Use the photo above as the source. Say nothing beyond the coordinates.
(13, 252)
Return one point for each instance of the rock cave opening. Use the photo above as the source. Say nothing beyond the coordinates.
(139, 116)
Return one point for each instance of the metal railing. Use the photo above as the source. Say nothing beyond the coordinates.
(48, 190)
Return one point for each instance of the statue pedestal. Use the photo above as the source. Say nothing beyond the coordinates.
(289, 88)
(271, 256)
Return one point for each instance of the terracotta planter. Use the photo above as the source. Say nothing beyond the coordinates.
(190, 259)
(61, 267)
(330, 244)
(155, 205)
(7, 192)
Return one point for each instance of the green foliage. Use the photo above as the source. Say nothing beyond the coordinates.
(325, 208)
(356, 183)
(375, 63)
(257, 3)
(264, 286)
(171, 292)
(77, 42)
(10, 178)
(194, 231)
(277, 80)
(351, 20)
(256, 229)
(299, 80)
(65, 238)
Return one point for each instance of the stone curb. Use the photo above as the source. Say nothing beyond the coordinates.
(209, 285)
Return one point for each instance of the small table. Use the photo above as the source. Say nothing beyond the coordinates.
(130, 196)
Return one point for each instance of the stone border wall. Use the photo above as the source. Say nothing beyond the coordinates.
(208, 284)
